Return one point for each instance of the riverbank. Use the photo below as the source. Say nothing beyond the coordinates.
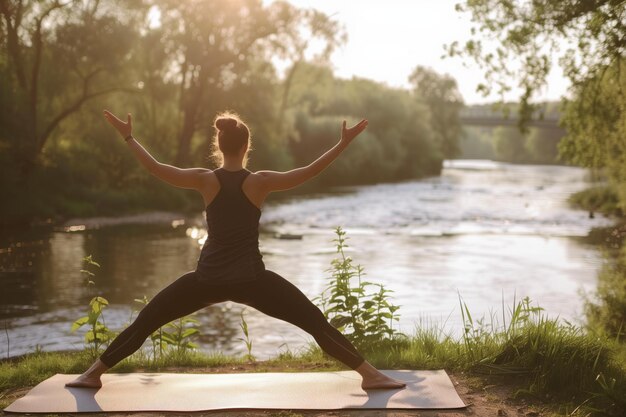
(530, 365)
(605, 310)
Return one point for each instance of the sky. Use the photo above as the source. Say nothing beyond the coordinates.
(387, 39)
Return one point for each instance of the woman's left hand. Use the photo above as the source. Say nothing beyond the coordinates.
(347, 134)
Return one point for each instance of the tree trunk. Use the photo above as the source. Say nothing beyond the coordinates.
(194, 96)
(186, 133)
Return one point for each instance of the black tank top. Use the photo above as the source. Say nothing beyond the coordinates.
(231, 251)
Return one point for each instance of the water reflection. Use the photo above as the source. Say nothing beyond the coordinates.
(484, 230)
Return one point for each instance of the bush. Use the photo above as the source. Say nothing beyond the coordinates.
(603, 199)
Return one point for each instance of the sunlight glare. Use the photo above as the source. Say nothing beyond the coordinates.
(154, 17)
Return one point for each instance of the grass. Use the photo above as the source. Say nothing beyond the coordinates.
(545, 359)
(33, 368)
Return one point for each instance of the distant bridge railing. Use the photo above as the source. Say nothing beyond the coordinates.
(486, 118)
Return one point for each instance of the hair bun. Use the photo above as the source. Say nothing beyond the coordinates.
(225, 123)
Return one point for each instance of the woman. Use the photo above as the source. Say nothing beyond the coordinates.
(230, 265)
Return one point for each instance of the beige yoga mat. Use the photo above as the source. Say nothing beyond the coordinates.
(276, 390)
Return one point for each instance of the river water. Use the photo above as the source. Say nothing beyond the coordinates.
(484, 231)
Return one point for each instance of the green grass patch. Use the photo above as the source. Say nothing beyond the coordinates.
(33, 368)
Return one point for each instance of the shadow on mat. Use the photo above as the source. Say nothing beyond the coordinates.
(379, 398)
(85, 398)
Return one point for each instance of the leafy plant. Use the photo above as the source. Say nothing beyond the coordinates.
(178, 333)
(365, 318)
(98, 333)
(158, 343)
(247, 340)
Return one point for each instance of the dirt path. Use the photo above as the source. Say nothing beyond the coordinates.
(482, 400)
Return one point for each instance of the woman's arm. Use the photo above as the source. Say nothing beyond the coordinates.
(279, 181)
(178, 177)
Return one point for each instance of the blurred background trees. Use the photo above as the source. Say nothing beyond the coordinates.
(174, 65)
(519, 43)
(440, 95)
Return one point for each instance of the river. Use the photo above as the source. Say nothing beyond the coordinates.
(485, 231)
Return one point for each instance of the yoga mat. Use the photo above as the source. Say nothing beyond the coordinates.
(202, 392)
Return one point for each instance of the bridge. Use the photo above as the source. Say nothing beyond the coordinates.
(489, 118)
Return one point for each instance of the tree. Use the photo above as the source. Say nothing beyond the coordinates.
(595, 121)
(56, 57)
(209, 41)
(441, 96)
(398, 143)
(532, 34)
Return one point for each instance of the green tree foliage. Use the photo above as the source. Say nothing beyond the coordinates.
(399, 141)
(440, 95)
(534, 145)
(509, 144)
(528, 38)
(532, 34)
(56, 57)
(212, 44)
(596, 126)
(177, 65)
(596, 123)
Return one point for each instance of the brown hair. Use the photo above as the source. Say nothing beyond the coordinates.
(231, 135)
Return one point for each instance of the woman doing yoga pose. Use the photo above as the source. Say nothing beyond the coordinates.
(230, 265)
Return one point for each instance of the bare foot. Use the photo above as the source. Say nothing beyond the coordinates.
(85, 382)
(382, 382)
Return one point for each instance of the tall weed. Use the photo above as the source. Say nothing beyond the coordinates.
(176, 335)
(364, 316)
(98, 334)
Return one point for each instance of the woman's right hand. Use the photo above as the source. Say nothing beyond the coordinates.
(125, 129)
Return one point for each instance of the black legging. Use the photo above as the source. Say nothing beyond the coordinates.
(272, 295)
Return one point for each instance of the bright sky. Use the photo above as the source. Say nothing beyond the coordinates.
(387, 39)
